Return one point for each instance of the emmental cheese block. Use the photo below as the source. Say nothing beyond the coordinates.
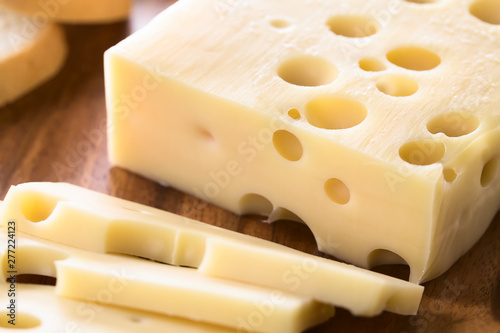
(144, 285)
(96, 222)
(374, 122)
(72, 11)
(39, 310)
(30, 54)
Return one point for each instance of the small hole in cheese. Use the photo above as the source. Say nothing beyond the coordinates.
(337, 191)
(414, 58)
(371, 65)
(294, 114)
(449, 175)
(287, 145)
(397, 85)
(486, 10)
(335, 112)
(37, 207)
(422, 152)
(453, 124)
(307, 71)
(255, 204)
(280, 23)
(489, 172)
(23, 320)
(353, 26)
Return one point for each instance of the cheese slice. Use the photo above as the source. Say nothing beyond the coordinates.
(378, 131)
(30, 54)
(175, 291)
(96, 222)
(72, 11)
(38, 309)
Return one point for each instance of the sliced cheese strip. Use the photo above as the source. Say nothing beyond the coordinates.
(30, 54)
(380, 132)
(72, 11)
(176, 291)
(97, 222)
(38, 309)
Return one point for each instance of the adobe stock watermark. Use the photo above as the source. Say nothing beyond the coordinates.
(248, 150)
(227, 7)
(291, 279)
(436, 307)
(31, 24)
(88, 310)
(380, 18)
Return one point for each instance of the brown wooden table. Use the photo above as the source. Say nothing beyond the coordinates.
(55, 134)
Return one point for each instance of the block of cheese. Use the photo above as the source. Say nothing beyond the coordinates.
(72, 11)
(378, 131)
(30, 54)
(163, 289)
(96, 222)
(38, 309)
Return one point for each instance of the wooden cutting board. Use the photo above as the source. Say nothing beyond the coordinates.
(57, 133)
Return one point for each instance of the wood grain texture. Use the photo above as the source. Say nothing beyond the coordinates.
(57, 133)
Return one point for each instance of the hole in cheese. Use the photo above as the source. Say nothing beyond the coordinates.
(337, 191)
(37, 207)
(397, 85)
(279, 23)
(294, 114)
(255, 204)
(307, 71)
(384, 257)
(287, 145)
(449, 175)
(353, 26)
(414, 58)
(335, 112)
(23, 320)
(489, 172)
(35, 260)
(36, 279)
(371, 65)
(453, 124)
(422, 152)
(486, 10)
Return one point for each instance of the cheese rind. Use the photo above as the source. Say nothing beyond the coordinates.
(162, 289)
(30, 54)
(367, 157)
(96, 222)
(73, 11)
(38, 309)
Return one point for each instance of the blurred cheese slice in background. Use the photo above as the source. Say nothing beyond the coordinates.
(30, 53)
(72, 11)
(377, 123)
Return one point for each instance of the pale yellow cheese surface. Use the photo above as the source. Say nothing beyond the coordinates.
(72, 11)
(92, 221)
(39, 309)
(374, 122)
(30, 53)
(144, 285)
